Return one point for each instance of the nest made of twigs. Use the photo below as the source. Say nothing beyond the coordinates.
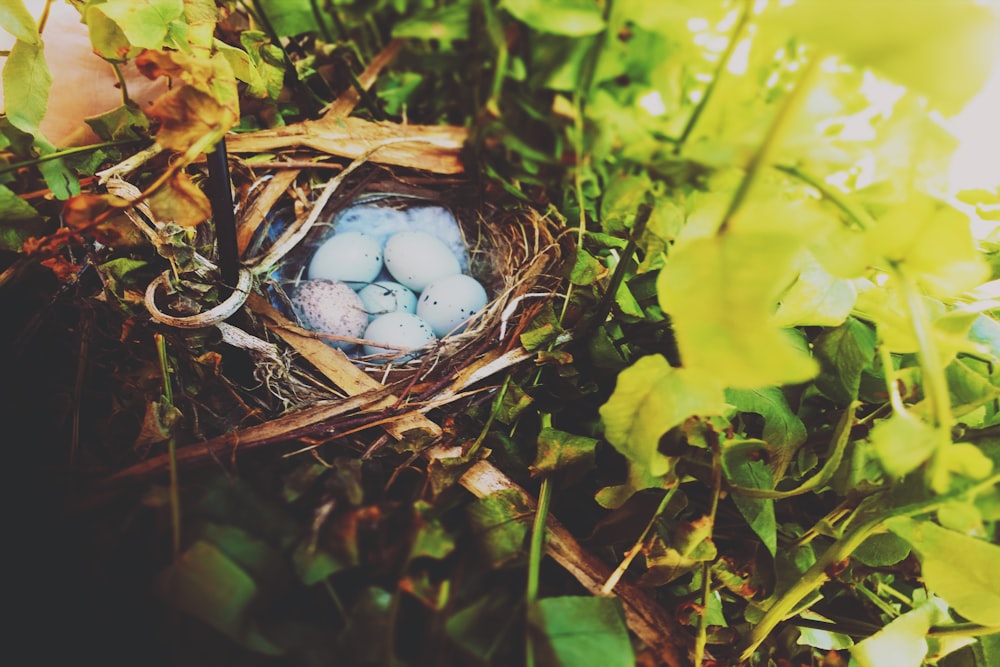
(514, 251)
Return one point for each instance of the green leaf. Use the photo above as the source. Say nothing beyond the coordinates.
(432, 539)
(690, 546)
(447, 24)
(742, 465)
(720, 293)
(959, 568)
(844, 353)
(649, 399)
(121, 123)
(573, 18)
(19, 221)
(500, 522)
(482, 628)
(901, 643)
(932, 241)
(18, 21)
(586, 269)
(940, 48)
(204, 582)
(882, 550)
(903, 442)
(783, 430)
(289, 17)
(26, 84)
(580, 632)
(816, 298)
(145, 25)
(559, 450)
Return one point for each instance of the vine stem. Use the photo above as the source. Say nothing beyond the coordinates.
(819, 573)
(701, 639)
(762, 157)
(727, 55)
(535, 554)
(168, 398)
(934, 380)
(630, 555)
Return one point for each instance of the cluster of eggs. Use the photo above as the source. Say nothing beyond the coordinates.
(382, 278)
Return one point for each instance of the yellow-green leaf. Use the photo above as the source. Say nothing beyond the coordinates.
(959, 568)
(26, 85)
(903, 442)
(18, 21)
(902, 643)
(720, 293)
(649, 399)
(816, 298)
(939, 48)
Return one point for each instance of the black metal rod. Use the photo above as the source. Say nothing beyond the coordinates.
(221, 197)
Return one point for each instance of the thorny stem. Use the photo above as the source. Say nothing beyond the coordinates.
(168, 398)
(818, 574)
(720, 69)
(762, 157)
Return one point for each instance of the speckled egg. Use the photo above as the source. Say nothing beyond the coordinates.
(416, 259)
(403, 330)
(448, 303)
(350, 257)
(385, 296)
(331, 308)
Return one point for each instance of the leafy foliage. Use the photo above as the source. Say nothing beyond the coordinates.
(779, 396)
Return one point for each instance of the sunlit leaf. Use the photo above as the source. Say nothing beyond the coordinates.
(26, 84)
(574, 18)
(816, 298)
(720, 293)
(18, 21)
(923, 46)
(144, 24)
(903, 442)
(901, 643)
(576, 631)
(959, 568)
(649, 399)
(933, 242)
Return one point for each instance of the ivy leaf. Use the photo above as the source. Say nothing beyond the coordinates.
(934, 242)
(126, 122)
(901, 643)
(903, 442)
(558, 450)
(720, 293)
(649, 399)
(26, 85)
(922, 47)
(499, 523)
(959, 568)
(144, 25)
(18, 21)
(18, 222)
(743, 467)
(581, 631)
(783, 430)
(816, 298)
(573, 18)
(844, 353)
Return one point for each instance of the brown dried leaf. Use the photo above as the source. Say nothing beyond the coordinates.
(187, 115)
(180, 201)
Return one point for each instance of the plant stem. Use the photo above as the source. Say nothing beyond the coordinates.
(934, 380)
(720, 69)
(889, 372)
(857, 215)
(66, 152)
(168, 398)
(762, 157)
(630, 555)
(535, 553)
(701, 639)
(818, 574)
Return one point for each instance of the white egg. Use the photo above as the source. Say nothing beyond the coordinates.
(400, 330)
(416, 259)
(331, 308)
(449, 302)
(386, 296)
(353, 258)
(440, 222)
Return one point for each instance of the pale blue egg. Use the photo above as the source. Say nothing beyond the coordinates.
(350, 257)
(449, 303)
(399, 330)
